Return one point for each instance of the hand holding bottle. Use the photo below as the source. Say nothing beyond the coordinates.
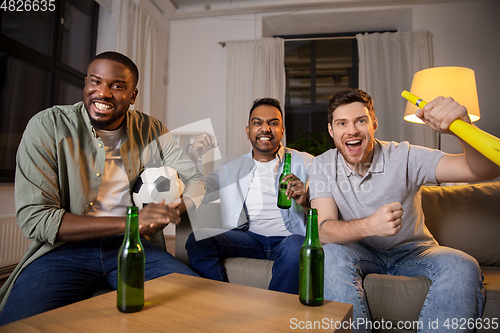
(296, 190)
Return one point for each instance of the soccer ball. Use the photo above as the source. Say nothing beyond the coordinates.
(155, 185)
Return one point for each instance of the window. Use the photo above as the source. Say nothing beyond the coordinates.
(43, 60)
(316, 68)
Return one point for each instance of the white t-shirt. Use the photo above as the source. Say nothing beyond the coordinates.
(264, 216)
(114, 193)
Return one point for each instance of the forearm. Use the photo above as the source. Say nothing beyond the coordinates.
(342, 232)
(481, 166)
(75, 228)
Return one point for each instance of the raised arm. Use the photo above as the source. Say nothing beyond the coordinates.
(471, 166)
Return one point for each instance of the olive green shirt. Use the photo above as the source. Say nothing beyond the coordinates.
(59, 167)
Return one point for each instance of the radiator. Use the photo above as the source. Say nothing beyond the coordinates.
(12, 242)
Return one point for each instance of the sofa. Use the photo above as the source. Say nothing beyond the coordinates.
(465, 217)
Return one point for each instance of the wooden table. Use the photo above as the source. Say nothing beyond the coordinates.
(180, 303)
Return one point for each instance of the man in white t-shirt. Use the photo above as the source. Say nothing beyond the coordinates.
(247, 189)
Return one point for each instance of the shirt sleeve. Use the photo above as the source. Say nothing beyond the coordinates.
(38, 203)
(422, 164)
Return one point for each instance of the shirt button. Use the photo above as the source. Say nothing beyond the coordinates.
(98, 174)
(100, 145)
(91, 204)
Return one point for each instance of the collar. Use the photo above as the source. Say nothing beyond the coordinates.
(280, 154)
(378, 161)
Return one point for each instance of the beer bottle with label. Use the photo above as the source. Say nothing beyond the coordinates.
(131, 265)
(283, 201)
(311, 272)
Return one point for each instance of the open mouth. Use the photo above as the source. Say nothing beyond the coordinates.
(264, 139)
(100, 106)
(354, 145)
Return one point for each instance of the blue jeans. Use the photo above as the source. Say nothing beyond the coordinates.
(456, 292)
(74, 271)
(206, 255)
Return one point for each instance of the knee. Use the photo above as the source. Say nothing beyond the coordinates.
(293, 242)
(462, 266)
(289, 248)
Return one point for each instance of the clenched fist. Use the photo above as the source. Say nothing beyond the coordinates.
(386, 221)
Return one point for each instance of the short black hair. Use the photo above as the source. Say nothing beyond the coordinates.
(348, 96)
(266, 101)
(121, 59)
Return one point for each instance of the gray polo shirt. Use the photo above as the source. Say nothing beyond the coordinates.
(397, 172)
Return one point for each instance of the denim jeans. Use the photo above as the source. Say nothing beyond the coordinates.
(456, 292)
(74, 271)
(207, 254)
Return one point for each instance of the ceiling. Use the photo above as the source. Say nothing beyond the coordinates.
(188, 3)
(178, 9)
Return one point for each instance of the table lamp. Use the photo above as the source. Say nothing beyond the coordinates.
(456, 82)
(460, 84)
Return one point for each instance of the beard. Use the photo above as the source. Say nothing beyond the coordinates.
(359, 162)
(101, 124)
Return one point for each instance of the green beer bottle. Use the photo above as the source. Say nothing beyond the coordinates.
(312, 257)
(283, 201)
(131, 264)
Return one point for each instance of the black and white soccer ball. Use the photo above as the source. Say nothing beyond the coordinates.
(155, 185)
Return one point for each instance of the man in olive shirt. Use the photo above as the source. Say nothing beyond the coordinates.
(75, 167)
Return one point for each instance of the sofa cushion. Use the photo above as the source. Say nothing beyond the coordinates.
(249, 272)
(465, 217)
(395, 298)
(492, 286)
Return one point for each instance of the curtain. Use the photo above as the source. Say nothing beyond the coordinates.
(136, 39)
(255, 69)
(387, 63)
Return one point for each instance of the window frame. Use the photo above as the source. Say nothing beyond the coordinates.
(53, 63)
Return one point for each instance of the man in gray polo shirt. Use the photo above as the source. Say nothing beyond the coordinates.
(371, 220)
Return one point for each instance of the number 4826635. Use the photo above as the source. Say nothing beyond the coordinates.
(28, 5)
(479, 323)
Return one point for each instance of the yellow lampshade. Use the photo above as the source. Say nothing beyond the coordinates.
(456, 82)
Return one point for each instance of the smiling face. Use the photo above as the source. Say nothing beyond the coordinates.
(353, 129)
(265, 131)
(109, 91)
